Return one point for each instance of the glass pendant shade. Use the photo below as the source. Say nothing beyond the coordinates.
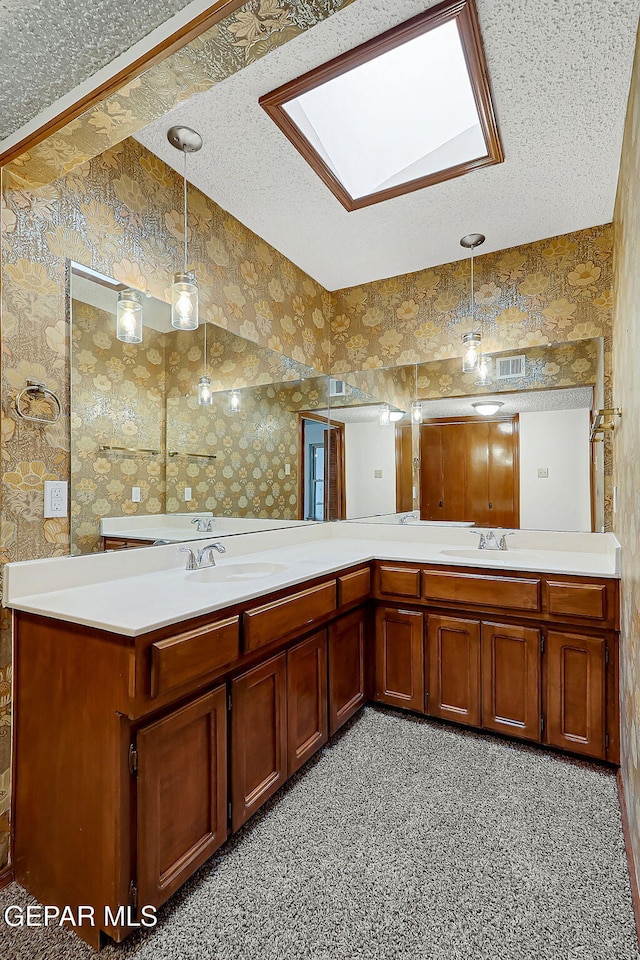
(184, 302)
(472, 343)
(234, 402)
(396, 415)
(129, 317)
(484, 371)
(385, 415)
(416, 411)
(205, 393)
(487, 407)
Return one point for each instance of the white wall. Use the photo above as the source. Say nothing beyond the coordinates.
(370, 447)
(557, 440)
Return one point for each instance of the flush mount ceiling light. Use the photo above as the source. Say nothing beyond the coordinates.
(472, 341)
(129, 317)
(184, 289)
(405, 110)
(487, 407)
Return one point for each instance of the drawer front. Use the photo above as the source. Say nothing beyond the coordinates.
(274, 620)
(506, 593)
(354, 587)
(399, 581)
(577, 599)
(182, 659)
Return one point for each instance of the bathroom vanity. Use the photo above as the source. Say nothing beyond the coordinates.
(156, 711)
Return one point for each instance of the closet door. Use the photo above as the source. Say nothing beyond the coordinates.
(442, 471)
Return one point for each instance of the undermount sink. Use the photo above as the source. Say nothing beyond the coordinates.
(500, 555)
(237, 572)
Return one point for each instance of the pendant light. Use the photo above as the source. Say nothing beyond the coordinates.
(416, 406)
(205, 393)
(129, 317)
(234, 402)
(184, 289)
(385, 414)
(472, 341)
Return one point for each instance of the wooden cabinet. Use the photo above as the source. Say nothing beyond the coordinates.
(258, 736)
(511, 680)
(347, 679)
(307, 714)
(399, 658)
(182, 794)
(576, 687)
(454, 669)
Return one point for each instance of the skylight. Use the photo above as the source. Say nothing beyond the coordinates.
(405, 110)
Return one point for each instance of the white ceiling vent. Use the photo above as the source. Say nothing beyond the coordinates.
(510, 368)
(337, 388)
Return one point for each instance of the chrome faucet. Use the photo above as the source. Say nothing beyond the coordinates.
(205, 524)
(490, 540)
(408, 516)
(196, 558)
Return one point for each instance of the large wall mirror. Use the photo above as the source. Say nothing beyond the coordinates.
(148, 459)
(426, 454)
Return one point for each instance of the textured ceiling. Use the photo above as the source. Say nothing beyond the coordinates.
(560, 73)
(47, 49)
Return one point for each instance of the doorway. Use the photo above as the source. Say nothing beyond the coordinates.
(321, 469)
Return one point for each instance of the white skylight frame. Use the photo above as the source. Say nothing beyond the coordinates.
(354, 118)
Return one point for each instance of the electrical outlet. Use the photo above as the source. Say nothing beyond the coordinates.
(135, 494)
(55, 498)
(187, 494)
(543, 473)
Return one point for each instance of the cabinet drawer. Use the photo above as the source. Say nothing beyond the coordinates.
(273, 620)
(504, 592)
(353, 587)
(179, 660)
(399, 581)
(577, 599)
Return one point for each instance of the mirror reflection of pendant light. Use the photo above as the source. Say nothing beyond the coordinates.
(234, 402)
(129, 316)
(472, 341)
(184, 289)
(205, 393)
(385, 415)
(484, 371)
(416, 406)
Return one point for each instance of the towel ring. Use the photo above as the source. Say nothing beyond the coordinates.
(35, 387)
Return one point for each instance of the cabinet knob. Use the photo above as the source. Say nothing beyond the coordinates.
(441, 503)
(490, 505)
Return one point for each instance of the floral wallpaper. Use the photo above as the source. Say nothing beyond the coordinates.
(241, 37)
(117, 392)
(626, 442)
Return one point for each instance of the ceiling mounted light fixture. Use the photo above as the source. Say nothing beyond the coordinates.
(396, 415)
(129, 317)
(472, 341)
(205, 392)
(184, 289)
(487, 407)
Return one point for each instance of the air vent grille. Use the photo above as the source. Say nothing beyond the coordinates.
(337, 388)
(510, 368)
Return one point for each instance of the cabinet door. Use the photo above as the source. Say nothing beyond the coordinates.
(399, 658)
(576, 693)
(258, 736)
(347, 686)
(454, 669)
(307, 713)
(182, 794)
(511, 680)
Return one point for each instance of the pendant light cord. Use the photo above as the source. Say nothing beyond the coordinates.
(204, 366)
(184, 179)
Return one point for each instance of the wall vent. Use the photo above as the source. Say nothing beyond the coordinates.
(509, 368)
(337, 388)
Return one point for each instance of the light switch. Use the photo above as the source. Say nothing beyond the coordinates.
(377, 474)
(187, 494)
(543, 473)
(55, 498)
(135, 494)
(287, 469)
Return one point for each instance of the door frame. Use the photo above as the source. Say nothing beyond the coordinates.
(307, 415)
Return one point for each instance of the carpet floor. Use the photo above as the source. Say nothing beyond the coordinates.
(404, 838)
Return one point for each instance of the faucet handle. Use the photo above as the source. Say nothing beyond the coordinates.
(502, 542)
(192, 563)
(484, 536)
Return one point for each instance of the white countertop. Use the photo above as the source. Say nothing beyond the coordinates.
(134, 592)
(177, 527)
